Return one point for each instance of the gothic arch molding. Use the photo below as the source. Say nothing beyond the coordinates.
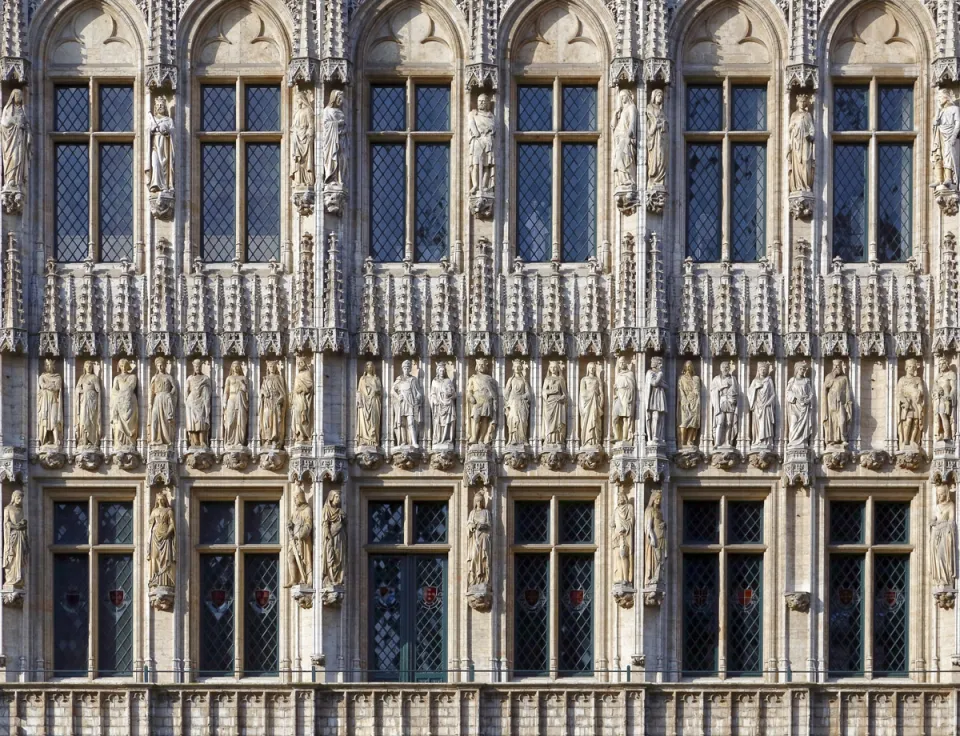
(519, 16)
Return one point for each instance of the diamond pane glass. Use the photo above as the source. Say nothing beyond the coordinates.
(579, 108)
(263, 107)
(71, 614)
(533, 522)
(116, 523)
(72, 109)
(750, 108)
(748, 201)
(579, 201)
(71, 523)
(263, 202)
(846, 614)
(115, 616)
(890, 614)
(745, 614)
(531, 615)
(891, 522)
(896, 108)
(72, 219)
(430, 522)
(432, 227)
(705, 107)
(746, 522)
(535, 108)
(850, 201)
(576, 522)
(894, 201)
(701, 522)
(433, 108)
(851, 108)
(116, 202)
(429, 642)
(116, 108)
(704, 206)
(217, 522)
(847, 521)
(218, 107)
(388, 107)
(576, 615)
(386, 522)
(261, 522)
(534, 201)
(216, 614)
(386, 634)
(700, 620)
(261, 617)
(218, 218)
(387, 201)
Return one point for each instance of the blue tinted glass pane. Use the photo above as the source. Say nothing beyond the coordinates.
(71, 523)
(116, 108)
(261, 522)
(72, 218)
(218, 208)
(576, 522)
(218, 107)
(433, 108)
(386, 522)
(216, 522)
(579, 108)
(115, 635)
(894, 201)
(534, 201)
(116, 202)
(72, 109)
(896, 108)
(748, 201)
(387, 201)
(433, 201)
(579, 201)
(430, 522)
(429, 645)
(388, 107)
(216, 614)
(576, 615)
(71, 614)
(745, 614)
(891, 585)
(263, 107)
(531, 614)
(261, 615)
(701, 622)
(263, 202)
(846, 615)
(115, 523)
(704, 201)
(749, 108)
(851, 108)
(388, 635)
(850, 201)
(535, 108)
(705, 107)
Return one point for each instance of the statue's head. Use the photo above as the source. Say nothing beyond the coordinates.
(656, 363)
(370, 369)
(160, 362)
(123, 365)
(235, 368)
(656, 498)
(441, 370)
(943, 492)
(911, 367)
(162, 500)
(406, 367)
(837, 367)
(483, 366)
(336, 98)
(88, 366)
(16, 498)
(763, 369)
(944, 98)
(49, 366)
(555, 367)
(301, 362)
(656, 97)
(197, 367)
(725, 368)
(800, 369)
(16, 97)
(334, 498)
(688, 368)
(299, 499)
(483, 102)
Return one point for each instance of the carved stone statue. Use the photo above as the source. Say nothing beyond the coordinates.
(688, 406)
(482, 400)
(443, 406)
(301, 402)
(656, 141)
(799, 407)
(198, 406)
(88, 403)
(478, 532)
(911, 397)
(761, 397)
(407, 407)
(273, 408)
(369, 407)
(656, 399)
(124, 407)
(624, 521)
(163, 405)
(15, 543)
(160, 129)
(946, 127)
(15, 145)
(50, 406)
(162, 552)
(800, 151)
(625, 142)
(300, 550)
(334, 126)
(624, 402)
(516, 405)
(945, 399)
(236, 407)
(724, 399)
(302, 140)
(591, 405)
(837, 406)
(554, 398)
(655, 540)
(944, 539)
(334, 540)
(481, 131)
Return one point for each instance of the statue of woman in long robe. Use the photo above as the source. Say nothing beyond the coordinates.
(88, 407)
(761, 396)
(302, 402)
(516, 405)
(331, 138)
(591, 407)
(273, 408)
(655, 539)
(656, 387)
(800, 152)
(443, 405)
(656, 141)
(50, 405)
(369, 407)
(124, 408)
(946, 129)
(334, 540)
(160, 128)
(623, 523)
(15, 542)
(478, 532)
(625, 142)
(162, 552)
(554, 397)
(236, 407)
(944, 539)
(163, 408)
(15, 144)
(300, 551)
(799, 407)
(302, 141)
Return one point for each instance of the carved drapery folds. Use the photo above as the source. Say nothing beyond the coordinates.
(944, 152)
(800, 157)
(50, 416)
(657, 136)
(333, 140)
(16, 147)
(481, 130)
(162, 552)
(626, 126)
(300, 549)
(160, 173)
(302, 146)
(479, 552)
(16, 548)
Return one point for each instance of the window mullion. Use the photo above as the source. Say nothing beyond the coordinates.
(557, 198)
(725, 192)
(553, 638)
(410, 213)
(93, 612)
(868, 614)
(871, 189)
(238, 612)
(239, 198)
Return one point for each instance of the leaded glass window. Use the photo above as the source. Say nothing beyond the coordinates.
(409, 204)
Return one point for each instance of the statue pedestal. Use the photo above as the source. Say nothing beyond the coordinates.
(725, 457)
(911, 457)
(334, 198)
(836, 457)
(11, 596)
(161, 204)
(368, 457)
(797, 467)
(303, 595)
(332, 595)
(517, 456)
(653, 595)
(127, 457)
(762, 457)
(874, 459)
(443, 456)
(947, 198)
(591, 457)
(553, 456)
(481, 204)
(945, 597)
(272, 459)
(162, 597)
(624, 593)
(480, 597)
(303, 200)
(406, 457)
(51, 457)
(89, 458)
(801, 205)
(688, 458)
(798, 600)
(200, 458)
(236, 457)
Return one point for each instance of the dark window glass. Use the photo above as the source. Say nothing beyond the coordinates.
(705, 107)
(115, 619)
(218, 107)
(534, 201)
(750, 108)
(531, 615)
(579, 201)
(576, 522)
(217, 523)
(263, 107)
(891, 522)
(894, 201)
(429, 640)
(704, 205)
(891, 586)
(388, 107)
(846, 522)
(746, 522)
(430, 522)
(216, 614)
(896, 108)
(218, 206)
(745, 614)
(579, 108)
(263, 202)
(850, 201)
(433, 108)
(387, 201)
(535, 108)
(71, 615)
(701, 522)
(116, 108)
(261, 615)
(116, 523)
(432, 240)
(116, 202)
(261, 522)
(386, 522)
(533, 522)
(72, 219)
(72, 109)
(700, 618)
(748, 201)
(851, 108)
(386, 626)
(71, 523)
(576, 615)
(846, 615)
